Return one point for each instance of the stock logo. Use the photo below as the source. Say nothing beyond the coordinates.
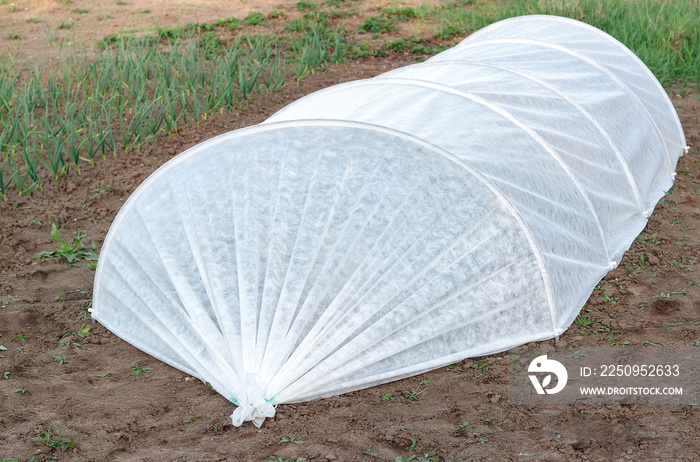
(551, 367)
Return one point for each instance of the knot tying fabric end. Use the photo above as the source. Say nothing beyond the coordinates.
(257, 412)
(253, 405)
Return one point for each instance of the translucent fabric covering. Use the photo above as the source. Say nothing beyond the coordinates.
(385, 227)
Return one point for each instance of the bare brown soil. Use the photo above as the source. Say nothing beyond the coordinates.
(163, 415)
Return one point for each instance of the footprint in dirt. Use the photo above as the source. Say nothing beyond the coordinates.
(666, 306)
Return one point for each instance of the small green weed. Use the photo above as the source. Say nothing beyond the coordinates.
(83, 331)
(254, 18)
(138, 370)
(586, 322)
(479, 367)
(377, 25)
(70, 252)
(401, 13)
(642, 261)
(671, 294)
(231, 23)
(303, 5)
(583, 321)
(365, 49)
(47, 438)
(675, 262)
(653, 239)
(286, 439)
(101, 189)
(21, 389)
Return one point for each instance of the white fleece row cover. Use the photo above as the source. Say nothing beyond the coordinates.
(386, 227)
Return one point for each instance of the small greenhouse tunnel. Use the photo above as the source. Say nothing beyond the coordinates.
(382, 228)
